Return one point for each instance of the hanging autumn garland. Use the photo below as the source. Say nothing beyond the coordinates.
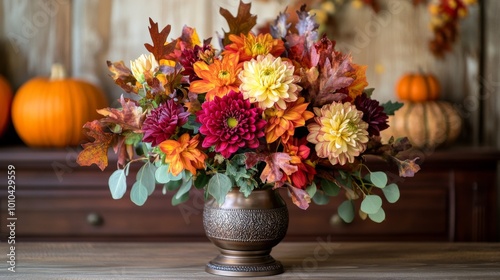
(444, 23)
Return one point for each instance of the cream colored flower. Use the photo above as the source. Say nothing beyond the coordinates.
(339, 132)
(269, 81)
(144, 67)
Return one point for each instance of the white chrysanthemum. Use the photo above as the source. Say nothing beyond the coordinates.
(144, 65)
(268, 81)
(339, 132)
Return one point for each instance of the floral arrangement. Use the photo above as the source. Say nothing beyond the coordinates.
(278, 110)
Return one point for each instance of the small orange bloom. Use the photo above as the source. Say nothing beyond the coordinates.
(218, 78)
(251, 46)
(359, 83)
(183, 154)
(282, 123)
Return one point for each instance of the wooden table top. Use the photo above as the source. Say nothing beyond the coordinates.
(315, 260)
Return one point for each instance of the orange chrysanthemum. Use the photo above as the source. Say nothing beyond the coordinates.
(251, 46)
(218, 78)
(282, 123)
(183, 154)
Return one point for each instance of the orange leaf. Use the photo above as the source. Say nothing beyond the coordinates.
(96, 152)
(160, 49)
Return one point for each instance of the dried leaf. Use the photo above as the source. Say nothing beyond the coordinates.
(122, 75)
(96, 152)
(160, 49)
(408, 167)
(129, 117)
(300, 197)
(241, 24)
(277, 163)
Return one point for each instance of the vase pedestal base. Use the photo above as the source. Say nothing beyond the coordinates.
(244, 263)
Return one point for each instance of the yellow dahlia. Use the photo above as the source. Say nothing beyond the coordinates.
(339, 132)
(218, 78)
(269, 81)
(144, 67)
(251, 46)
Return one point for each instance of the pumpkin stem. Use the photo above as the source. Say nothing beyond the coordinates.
(57, 72)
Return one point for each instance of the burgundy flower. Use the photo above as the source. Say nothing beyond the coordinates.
(373, 114)
(230, 123)
(163, 121)
(190, 56)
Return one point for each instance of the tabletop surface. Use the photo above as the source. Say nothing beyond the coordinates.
(323, 259)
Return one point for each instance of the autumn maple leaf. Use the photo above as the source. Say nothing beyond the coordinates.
(241, 24)
(96, 152)
(300, 197)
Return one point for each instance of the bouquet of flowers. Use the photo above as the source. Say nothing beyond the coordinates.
(281, 109)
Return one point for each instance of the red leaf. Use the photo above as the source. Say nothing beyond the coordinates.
(242, 23)
(160, 49)
(276, 164)
(129, 117)
(96, 152)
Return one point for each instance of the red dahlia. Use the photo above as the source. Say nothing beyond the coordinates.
(230, 123)
(163, 121)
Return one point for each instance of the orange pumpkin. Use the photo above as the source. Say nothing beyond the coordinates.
(5, 100)
(426, 124)
(51, 112)
(418, 87)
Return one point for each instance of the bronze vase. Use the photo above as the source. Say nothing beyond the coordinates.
(245, 230)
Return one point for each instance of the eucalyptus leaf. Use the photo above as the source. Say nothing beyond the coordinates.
(187, 183)
(172, 185)
(201, 180)
(161, 174)
(330, 188)
(218, 186)
(138, 193)
(118, 184)
(391, 193)
(146, 175)
(379, 179)
(378, 217)
(182, 199)
(311, 189)
(346, 211)
(371, 204)
(320, 198)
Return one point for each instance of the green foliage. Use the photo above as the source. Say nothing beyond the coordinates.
(371, 204)
(391, 107)
(378, 217)
(146, 176)
(391, 193)
(218, 186)
(330, 188)
(320, 198)
(346, 211)
(118, 183)
(379, 179)
(311, 189)
(138, 193)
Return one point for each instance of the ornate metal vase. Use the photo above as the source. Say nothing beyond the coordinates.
(245, 230)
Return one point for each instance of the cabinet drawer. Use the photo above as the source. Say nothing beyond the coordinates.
(94, 214)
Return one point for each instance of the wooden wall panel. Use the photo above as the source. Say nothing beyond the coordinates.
(83, 34)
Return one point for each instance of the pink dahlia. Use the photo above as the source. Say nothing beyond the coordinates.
(230, 123)
(163, 121)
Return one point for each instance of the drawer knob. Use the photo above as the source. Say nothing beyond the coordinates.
(95, 219)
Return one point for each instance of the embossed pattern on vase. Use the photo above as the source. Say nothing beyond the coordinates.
(249, 225)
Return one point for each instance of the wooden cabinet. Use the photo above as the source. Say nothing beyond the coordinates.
(453, 198)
